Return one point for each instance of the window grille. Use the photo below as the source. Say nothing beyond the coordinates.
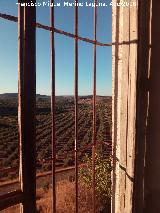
(27, 103)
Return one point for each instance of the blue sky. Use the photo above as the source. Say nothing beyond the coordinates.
(64, 47)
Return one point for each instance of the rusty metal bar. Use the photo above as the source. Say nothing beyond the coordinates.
(41, 26)
(20, 95)
(94, 110)
(11, 199)
(53, 109)
(27, 104)
(39, 175)
(76, 99)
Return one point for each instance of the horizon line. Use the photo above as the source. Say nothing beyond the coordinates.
(6, 93)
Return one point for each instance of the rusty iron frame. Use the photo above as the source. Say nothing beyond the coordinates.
(27, 105)
(26, 113)
(27, 102)
(10, 199)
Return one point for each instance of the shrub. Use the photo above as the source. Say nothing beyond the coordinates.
(103, 178)
(68, 161)
(45, 186)
(47, 167)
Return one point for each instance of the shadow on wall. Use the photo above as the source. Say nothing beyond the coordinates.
(147, 173)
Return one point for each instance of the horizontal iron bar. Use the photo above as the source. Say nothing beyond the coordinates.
(11, 199)
(45, 27)
(39, 175)
(41, 26)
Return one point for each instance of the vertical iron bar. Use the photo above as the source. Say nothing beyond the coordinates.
(21, 91)
(76, 101)
(53, 108)
(94, 109)
(27, 104)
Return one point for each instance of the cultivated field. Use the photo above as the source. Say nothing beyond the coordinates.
(9, 135)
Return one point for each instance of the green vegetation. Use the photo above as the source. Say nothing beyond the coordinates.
(46, 186)
(102, 176)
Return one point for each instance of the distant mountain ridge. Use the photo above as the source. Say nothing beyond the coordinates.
(15, 95)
